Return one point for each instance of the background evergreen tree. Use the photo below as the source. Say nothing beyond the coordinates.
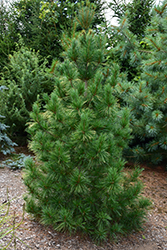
(147, 96)
(8, 34)
(149, 102)
(139, 14)
(25, 78)
(77, 181)
(133, 18)
(41, 23)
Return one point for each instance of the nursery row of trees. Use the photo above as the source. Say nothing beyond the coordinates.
(41, 24)
(28, 53)
(88, 99)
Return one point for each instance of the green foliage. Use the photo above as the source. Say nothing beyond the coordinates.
(147, 96)
(133, 18)
(42, 23)
(6, 145)
(77, 182)
(149, 101)
(16, 161)
(26, 77)
(39, 30)
(8, 33)
(126, 50)
(139, 14)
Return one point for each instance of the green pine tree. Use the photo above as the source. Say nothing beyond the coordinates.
(77, 182)
(133, 18)
(147, 95)
(139, 14)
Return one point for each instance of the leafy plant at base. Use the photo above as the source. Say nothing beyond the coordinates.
(16, 161)
(6, 144)
(26, 77)
(77, 182)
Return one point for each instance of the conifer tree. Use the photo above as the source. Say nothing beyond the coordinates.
(77, 182)
(8, 33)
(139, 14)
(149, 101)
(147, 97)
(134, 15)
(25, 77)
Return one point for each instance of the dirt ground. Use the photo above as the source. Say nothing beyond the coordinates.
(37, 236)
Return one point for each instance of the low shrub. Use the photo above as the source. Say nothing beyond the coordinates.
(26, 77)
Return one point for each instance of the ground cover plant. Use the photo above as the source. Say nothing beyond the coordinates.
(14, 161)
(77, 182)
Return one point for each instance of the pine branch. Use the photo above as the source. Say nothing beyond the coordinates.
(145, 51)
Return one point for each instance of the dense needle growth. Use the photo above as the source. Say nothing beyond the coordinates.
(77, 182)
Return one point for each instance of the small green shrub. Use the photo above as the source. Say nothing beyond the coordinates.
(25, 77)
(16, 161)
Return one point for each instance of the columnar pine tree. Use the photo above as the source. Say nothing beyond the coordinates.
(77, 182)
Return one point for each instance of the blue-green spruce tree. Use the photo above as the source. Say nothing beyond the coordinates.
(6, 144)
